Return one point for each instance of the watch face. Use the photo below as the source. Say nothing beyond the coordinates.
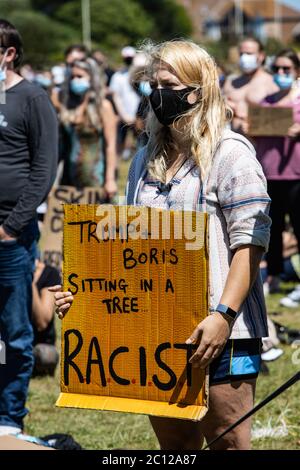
(226, 310)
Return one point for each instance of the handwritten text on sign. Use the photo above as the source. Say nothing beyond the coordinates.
(137, 300)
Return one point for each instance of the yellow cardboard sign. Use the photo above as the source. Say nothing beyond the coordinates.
(52, 231)
(140, 282)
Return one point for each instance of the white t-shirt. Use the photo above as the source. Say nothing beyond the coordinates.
(128, 98)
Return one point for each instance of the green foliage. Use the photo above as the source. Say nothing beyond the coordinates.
(113, 23)
(47, 27)
(44, 39)
(8, 6)
(171, 19)
(219, 50)
(273, 46)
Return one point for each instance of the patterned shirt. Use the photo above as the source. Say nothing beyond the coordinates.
(235, 196)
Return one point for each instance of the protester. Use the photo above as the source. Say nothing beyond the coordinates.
(190, 157)
(126, 100)
(280, 159)
(58, 74)
(91, 124)
(44, 336)
(102, 61)
(251, 86)
(75, 52)
(141, 85)
(44, 79)
(28, 159)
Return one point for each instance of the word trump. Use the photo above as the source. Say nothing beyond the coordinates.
(136, 222)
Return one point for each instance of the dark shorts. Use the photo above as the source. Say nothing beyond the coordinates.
(240, 359)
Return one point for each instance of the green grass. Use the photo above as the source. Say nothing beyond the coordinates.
(106, 430)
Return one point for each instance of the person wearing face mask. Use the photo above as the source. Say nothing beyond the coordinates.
(141, 85)
(28, 162)
(280, 159)
(91, 124)
(126, 100)
(44, 79)
(193, 162)
(251, 86)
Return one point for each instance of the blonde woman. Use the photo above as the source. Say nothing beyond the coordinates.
(192, 162)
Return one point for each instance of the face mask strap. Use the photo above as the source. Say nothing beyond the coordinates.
(3, 59)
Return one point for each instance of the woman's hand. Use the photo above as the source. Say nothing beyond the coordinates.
(212, 333)
(63, 300)
(294, 130)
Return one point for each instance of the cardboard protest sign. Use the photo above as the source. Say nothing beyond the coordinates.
(139, 278)
(269, 121)
(52, 232)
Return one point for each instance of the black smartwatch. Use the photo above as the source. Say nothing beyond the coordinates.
(225, 310)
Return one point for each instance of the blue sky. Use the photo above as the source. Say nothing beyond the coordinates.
(292, 3)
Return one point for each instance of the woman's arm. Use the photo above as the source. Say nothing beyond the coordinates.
(242, 274)
(42, 307)
(244, 204)
(214, 331)
(110, 120)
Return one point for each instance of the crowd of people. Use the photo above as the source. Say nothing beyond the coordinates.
(177, 111)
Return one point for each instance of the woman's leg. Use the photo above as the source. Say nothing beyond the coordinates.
(227, 403)
(177, 434)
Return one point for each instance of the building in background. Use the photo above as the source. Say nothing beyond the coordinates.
(224, 19)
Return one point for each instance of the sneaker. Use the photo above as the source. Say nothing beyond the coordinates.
(292, 300)
(272, 354)
(295, 294)
(288, 302)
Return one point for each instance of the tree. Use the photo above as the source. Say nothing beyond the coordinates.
(44, 39)
(114, 23)
(124, 21)
(171, 20)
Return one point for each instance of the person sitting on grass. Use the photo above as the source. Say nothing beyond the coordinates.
(45, 353)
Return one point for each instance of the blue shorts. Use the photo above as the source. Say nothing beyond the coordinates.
(240, 359)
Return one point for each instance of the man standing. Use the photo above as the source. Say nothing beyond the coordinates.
(126, 100)
(252, 86)
(28, 160)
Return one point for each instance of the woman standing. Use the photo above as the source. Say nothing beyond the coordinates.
(91, 125)
(280, 159)
(192, 162)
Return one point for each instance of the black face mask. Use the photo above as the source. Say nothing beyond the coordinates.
(169, 104)
(128, 60)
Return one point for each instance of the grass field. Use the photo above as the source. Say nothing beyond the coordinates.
(106, 430)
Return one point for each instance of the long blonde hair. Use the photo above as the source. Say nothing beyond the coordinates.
(203, 124)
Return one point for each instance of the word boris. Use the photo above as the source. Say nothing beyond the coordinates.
(132, 259)
(108, 372)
